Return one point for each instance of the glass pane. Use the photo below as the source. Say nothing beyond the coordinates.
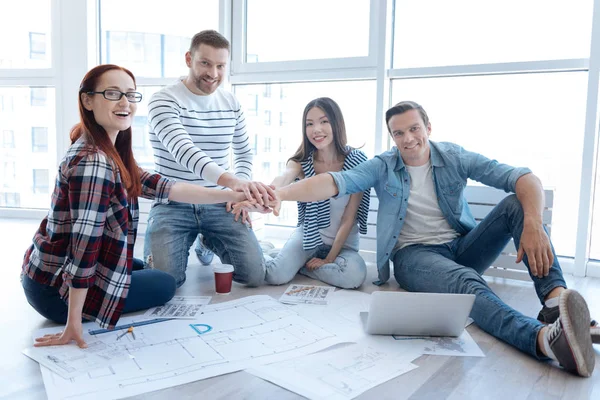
(154, 43)
(274, 119)
(25, 35)
(142, 148)
(437, 33)
(28, 145)
(306, 30)
(595, 246)
(521, 120)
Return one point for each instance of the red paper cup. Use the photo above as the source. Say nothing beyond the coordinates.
(223, 278)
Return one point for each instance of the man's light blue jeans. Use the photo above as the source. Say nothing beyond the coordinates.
(173, 228)
(456, 267)
(348, 271)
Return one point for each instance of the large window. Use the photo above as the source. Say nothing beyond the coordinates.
(29, 142)
(521, 120)
(438, 33)
(154, 42)
(142, 147)
(358, 112)
(24, 34)
(330, 29)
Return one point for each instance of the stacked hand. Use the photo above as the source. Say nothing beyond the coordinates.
(273, 206)
(259, 197)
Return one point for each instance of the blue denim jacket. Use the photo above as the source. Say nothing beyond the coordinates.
(451, 165)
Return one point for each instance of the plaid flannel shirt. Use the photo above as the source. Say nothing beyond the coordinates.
(87, 239)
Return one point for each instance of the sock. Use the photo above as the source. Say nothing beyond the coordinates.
(553, 302)
(546, 344)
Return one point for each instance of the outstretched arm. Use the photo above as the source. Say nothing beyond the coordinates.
(194, 194)
(534, 240)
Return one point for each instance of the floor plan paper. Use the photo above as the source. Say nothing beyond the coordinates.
(228, 337)
(69, 360)
(180, 307)
(464, 345)
(307, 294)
(341, 315)
(339, 374)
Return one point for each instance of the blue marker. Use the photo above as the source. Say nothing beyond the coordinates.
(127, 326)
(201, 328)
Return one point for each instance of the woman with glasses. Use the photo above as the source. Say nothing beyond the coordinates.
(80, 265)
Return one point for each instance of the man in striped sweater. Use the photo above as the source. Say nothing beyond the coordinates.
(194, 127)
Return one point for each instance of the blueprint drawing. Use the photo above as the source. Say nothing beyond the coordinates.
(226, 337)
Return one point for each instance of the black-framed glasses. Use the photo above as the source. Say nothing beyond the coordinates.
(115, 95)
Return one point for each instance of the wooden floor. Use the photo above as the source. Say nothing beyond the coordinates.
(504, 373)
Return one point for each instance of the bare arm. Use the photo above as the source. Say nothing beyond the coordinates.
(74, 328)
(193, 194)
(531, 195)
(534, 241)
(319, 187)
(293, 170)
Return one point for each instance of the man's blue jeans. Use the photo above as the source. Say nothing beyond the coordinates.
(173, 228)
(456, 267)
(149, 288)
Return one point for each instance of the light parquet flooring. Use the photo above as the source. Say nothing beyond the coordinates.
(504, 373)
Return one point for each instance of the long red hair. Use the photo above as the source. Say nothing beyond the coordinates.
(94, 134)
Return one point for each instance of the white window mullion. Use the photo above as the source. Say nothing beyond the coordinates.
(590, 144)
(381, 22)
(70, 60)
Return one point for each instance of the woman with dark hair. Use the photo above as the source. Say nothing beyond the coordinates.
(325, 244)
(80, 265)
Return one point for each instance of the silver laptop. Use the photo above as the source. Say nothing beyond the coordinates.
(417, 314)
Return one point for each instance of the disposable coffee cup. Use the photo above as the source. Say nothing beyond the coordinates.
(223, 278)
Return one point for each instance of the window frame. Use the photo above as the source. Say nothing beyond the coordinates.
(240, 68)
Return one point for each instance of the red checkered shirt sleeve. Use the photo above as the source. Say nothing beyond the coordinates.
(91, 181)
(155, 186)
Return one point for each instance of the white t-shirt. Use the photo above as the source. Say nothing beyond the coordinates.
(424, 223)
(337, 208)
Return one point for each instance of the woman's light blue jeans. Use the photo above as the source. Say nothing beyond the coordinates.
(456, 267)
(173, 228)
(348, 271)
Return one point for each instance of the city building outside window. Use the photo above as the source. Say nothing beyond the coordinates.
(37, 46)
(39, 139)
(40, 181)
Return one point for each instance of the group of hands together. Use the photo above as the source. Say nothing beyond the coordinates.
(260, 198)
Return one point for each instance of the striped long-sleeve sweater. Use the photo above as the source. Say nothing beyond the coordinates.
(192, 136)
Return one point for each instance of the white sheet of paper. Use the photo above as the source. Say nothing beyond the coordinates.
(307, 294)
(338, 374)
(228, 337)
(180, 307)
(463, 346)
(69, 360)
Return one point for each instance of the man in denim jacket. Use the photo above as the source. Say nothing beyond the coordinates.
(436, 245)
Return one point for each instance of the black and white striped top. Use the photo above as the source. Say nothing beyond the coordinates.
(316, 215)
(192, 136)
